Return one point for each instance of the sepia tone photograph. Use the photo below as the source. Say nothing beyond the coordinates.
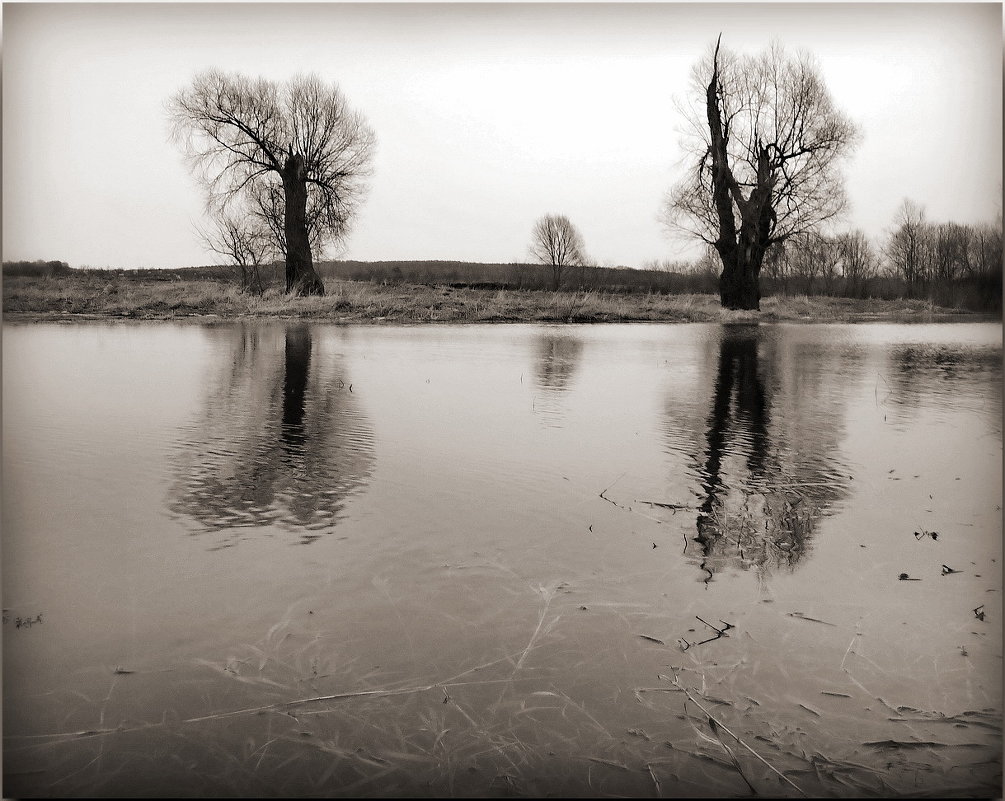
(452, 400)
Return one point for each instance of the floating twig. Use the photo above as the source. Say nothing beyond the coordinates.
(548, 599)
(652, 639)
(801, 616)
(674, 506)
(659, 791)
(710, 716)
(729, 752)
(609, 763)
(629, 508)
(719, 632)
(684, 644)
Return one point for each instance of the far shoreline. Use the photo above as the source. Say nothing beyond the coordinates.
(90, 298)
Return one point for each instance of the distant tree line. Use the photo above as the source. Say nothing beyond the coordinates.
(951, 264)
(36, 269)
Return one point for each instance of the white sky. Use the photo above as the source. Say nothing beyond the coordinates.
(487, 116)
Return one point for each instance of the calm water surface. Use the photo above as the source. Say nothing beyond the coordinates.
(270, 559)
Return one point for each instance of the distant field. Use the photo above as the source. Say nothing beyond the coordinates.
(423, 277)
(455, 274)
(151, 294)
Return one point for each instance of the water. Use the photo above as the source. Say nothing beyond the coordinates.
(265, 559)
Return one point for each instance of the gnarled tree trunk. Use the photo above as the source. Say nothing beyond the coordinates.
(300, 275)
(741, 252)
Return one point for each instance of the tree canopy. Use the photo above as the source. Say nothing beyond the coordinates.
(293, 154)
(764, 144)
(557, 243)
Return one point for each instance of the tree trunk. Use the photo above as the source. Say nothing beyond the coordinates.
(741, 253)
(300, 275)
(739, 285)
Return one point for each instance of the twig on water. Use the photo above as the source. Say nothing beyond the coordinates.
(622, 506)
(674, 506)
(659, 790)
(801, 616)
(612, 484)
(718, 633)
(729, 752)
(711, 717)
(609, 763)
(544, 613)
(847, 651)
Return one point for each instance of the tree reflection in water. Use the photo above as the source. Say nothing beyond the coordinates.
(944, 376)
(557, 358)
(282, 440)
(764, 483)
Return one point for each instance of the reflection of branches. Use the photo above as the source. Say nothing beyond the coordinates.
(558, 357)
(761, 500)
(942, 374)
(281, 440)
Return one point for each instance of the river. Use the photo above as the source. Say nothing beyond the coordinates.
(289, 559)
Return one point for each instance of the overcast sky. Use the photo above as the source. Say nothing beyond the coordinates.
(487, 116)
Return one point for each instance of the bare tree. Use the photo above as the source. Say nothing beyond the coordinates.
(767, 142)
(858, 260)
(906, 249)
(987, 261)
(246, 243)
(809, 259)
(295, 146)
(557, 242)
(776, 264)
(952, 244)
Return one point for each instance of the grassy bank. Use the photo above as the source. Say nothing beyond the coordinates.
(89, 295)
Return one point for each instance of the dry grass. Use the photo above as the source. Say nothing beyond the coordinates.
(99, 296)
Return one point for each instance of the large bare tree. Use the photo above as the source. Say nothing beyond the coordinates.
(557, 243)
(766, 142)
(296, 147)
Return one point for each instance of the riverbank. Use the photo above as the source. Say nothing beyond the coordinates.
(90, 296)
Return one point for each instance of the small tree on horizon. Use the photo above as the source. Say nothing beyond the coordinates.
(558, 244)
(296, 150)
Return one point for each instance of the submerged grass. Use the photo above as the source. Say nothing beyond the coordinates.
(102, 296)
(444, 736)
